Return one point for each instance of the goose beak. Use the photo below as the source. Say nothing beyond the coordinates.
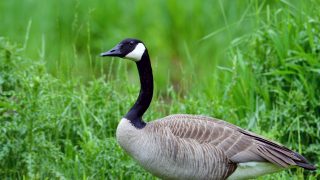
(113, 52)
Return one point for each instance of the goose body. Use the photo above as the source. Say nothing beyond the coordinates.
(190, 146)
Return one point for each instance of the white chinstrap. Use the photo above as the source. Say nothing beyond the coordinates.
(137, 53)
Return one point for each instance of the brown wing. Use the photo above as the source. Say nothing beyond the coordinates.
(239, 145)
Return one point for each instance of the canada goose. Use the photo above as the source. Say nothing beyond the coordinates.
(190, 146)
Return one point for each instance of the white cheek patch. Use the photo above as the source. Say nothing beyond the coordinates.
(137, 53)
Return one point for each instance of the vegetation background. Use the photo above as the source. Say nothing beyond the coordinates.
(253, 63)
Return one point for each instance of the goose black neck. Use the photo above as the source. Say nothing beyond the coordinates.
(146, 91)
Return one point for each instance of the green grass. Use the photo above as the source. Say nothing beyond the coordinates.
(255, 64)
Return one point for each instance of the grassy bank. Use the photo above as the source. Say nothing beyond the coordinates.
(256, 65)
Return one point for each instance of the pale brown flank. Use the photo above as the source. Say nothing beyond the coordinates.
(214, 146)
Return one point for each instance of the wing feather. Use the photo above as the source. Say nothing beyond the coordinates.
(237, 144)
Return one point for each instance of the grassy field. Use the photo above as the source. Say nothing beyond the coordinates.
(255, 64)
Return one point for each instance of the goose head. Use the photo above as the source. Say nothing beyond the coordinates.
(132, 49)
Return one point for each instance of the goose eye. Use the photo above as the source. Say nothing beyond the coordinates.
(131, 43)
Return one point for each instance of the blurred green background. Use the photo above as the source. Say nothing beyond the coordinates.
(253, 63)
(69, 35)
